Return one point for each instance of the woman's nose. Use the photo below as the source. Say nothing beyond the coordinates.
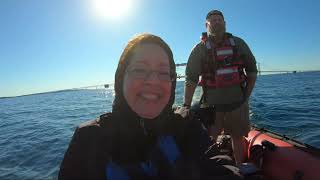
(152, 76)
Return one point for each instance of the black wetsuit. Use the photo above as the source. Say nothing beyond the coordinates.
(102, 149)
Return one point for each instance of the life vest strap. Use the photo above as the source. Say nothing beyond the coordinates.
(223, 59)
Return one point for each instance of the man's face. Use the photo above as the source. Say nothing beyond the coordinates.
(216, 25)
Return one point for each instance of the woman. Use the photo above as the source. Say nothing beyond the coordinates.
(142, 138)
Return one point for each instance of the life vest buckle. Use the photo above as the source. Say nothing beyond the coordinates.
(228, 61)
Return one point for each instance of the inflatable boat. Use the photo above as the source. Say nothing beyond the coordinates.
(276, 156)
(282, 158)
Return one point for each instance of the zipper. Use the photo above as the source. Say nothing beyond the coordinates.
(141, 121)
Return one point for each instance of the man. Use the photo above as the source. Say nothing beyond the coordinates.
(228, 73)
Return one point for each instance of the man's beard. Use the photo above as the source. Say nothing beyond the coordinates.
(217, 30)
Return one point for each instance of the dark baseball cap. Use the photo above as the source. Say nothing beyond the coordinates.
(212, 12)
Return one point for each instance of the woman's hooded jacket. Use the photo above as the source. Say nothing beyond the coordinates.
(125, 138)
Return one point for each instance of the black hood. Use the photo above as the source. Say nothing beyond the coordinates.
(122, 110)
(125, 114)
(134, 135)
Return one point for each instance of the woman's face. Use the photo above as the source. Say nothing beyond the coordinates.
(147, 81)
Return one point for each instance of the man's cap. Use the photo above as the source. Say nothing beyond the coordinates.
(212, 12)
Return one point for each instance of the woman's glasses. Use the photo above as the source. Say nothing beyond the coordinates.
(141, 73)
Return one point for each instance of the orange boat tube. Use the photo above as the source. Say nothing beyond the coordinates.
(289, 160)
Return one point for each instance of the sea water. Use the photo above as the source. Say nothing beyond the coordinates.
(35, 130)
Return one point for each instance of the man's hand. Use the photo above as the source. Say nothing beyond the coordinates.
(183, 111)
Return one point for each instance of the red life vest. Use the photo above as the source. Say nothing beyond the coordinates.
(224, 67)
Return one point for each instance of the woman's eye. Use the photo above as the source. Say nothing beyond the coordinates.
(138, 72)
(164, 73)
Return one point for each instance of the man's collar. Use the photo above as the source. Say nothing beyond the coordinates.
(211, 37)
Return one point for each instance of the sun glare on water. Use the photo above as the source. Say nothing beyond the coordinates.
(111, 9)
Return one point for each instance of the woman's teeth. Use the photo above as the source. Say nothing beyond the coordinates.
(149, 96)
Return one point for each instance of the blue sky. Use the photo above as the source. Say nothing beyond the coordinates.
(48, 45)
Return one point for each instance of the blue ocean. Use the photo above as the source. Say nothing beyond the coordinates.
(36, 129)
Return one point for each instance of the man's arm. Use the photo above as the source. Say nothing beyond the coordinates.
(193, 70)
(251, 80)
(250, 66)
(189, 89)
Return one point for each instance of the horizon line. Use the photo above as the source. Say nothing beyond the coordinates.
(108, 84)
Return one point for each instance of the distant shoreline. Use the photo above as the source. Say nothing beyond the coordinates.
(49, 92)
(76, 89)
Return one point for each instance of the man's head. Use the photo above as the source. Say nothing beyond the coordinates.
(215, 24)
(214, 12)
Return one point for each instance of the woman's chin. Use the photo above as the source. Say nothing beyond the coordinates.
(148, 115)
(147, 111)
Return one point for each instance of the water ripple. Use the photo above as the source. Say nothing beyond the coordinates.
(35, 130)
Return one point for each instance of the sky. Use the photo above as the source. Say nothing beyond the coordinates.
(48, 45)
